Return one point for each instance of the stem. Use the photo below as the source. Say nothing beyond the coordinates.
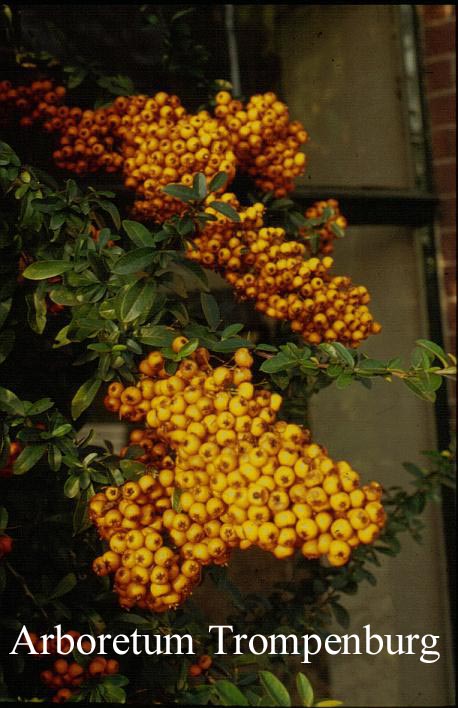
(27, 591)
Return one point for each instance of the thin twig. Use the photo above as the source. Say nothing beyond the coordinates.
(26, 589)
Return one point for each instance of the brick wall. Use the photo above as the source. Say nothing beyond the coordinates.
(439, 56)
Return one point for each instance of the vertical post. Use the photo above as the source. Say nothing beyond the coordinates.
(233, 50)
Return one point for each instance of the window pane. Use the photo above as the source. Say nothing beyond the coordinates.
(341, 75)
(377, 431)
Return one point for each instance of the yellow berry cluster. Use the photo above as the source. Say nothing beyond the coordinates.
(232, 476)
(261, 264)
(162, 143)
(266, 143)
(325, 233)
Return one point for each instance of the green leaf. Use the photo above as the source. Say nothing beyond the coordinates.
(176, 505)
(344, 354)
(372, 367)
(64, 586)
(328, 703)
(413, 469)
(421, 358)
(80, 519)
(61, 430)
(282, 204)
(138, 300)
(231, 344)
(134, 261)
(44, 404)
(274, 689)
(46, 269)
(419, 390)
(72, 486)
(344, 380)
(264, 347)
(235, 328)
(138, 233)
(226, 210)
(304, 689)
(157, 335)
(131, 468)
(7, 155)
(28, 458)
(54, 458)
(76, 76)
(112, 210)
(229, 694)
(218, 182)
(112, 694)
(434, 348)
(211, 310)
(279, 362)
(188, 349)
(193, 269)
(10, 403)
(199, 186)
(84, 396)
(180, 191)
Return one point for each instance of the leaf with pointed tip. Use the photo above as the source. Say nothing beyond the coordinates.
(138, 233)
(134, 261)
(225, 209)
(211, 310)
(28, 458)
(305, 690)
(199, 186)
(84, 396)
(180, 191)
(219, 181)
(274, 688)
(40, 270)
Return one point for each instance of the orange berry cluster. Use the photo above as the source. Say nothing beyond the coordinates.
(266, 143)
(88, 141)
(262, 265)
(155, 141)
(65, 677)
(202, 665)
(325, 233)
(232, 476)
(41, 101)
(13, 453)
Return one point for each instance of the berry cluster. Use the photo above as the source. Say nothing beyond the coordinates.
(262, 265)
(88, 141)
(64, 677)
(266, 143)
(41, 101)
(155, 141)
(162, 143)
(232, 476)
(202, 665)
(326, 234)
